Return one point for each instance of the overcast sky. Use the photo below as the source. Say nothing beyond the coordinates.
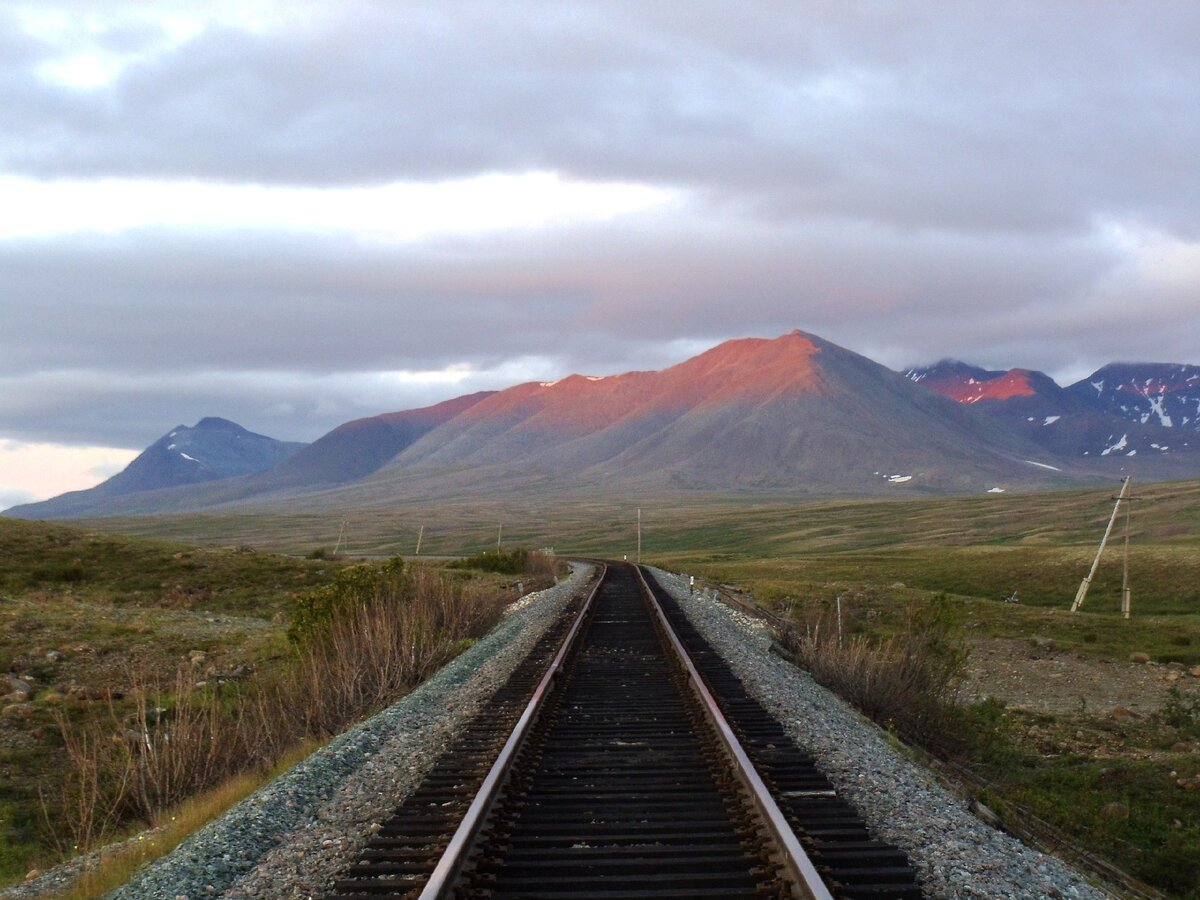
(295, 214)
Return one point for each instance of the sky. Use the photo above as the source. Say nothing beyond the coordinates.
(295, 214)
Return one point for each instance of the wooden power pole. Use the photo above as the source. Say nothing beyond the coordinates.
(639, 535)
(420, 534)
(1081, 594)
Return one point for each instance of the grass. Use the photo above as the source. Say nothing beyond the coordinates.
(138, 703)
(1123, 806)
(115, 867)
(80, 609)
(38, 558)
(882, 557)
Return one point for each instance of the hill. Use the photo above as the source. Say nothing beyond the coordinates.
(213, 449)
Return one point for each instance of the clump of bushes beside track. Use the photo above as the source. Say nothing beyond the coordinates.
(357, 644)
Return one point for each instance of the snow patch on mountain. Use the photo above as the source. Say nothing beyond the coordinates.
(1156, 408)
(1119, 445)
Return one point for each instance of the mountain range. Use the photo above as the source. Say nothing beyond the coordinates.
(793, 415)
(1122, 409)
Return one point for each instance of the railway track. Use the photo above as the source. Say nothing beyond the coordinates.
(624, 759)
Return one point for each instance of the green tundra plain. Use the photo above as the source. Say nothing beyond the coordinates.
(1118, 780)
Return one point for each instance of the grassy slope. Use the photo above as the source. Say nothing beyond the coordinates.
(79, 608)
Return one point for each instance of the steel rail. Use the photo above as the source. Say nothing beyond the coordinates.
(796, 860)
(452, 859)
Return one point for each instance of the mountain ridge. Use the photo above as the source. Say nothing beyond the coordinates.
(795, 414)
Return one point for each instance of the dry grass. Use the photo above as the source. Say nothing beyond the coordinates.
(384, 646)
(906, 682)
(172, 741)
(117, 866)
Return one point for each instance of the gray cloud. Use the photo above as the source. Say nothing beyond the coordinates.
(1030, 117)
(910, 184)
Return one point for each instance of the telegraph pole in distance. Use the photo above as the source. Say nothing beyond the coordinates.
(1081, 594)
(639, 533)
(420, 534)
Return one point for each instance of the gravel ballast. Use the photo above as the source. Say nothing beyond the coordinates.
(290, 838)
(955, 854)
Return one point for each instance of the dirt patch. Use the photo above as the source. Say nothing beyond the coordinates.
(1045, 679)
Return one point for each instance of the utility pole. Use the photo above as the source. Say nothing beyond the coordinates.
(499, 531)
(639, 532)
(420, 534)
(1081, 594)
(341, 531)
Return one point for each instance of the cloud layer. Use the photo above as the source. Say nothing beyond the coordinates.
(1011, 185)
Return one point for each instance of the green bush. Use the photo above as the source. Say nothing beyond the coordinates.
(352, 587)
(504, 562)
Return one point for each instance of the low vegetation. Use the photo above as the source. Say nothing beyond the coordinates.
(518, 561)
(1123, 784)
(907, 680)
(146, 712)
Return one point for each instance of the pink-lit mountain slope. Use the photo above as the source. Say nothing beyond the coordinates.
(796, 413)
(792, 415)
(358, 448)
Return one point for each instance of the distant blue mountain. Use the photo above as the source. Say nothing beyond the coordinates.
(210, 450)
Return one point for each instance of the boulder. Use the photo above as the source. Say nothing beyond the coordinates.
(1141, 658)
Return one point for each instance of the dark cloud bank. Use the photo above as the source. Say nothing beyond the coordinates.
(998, 184)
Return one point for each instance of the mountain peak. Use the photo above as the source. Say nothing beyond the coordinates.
(216, 423)
(971, 384)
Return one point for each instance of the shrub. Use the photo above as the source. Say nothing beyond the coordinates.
(358, 644)
(351, 588)
(514, 562)
(907, 681)
(504, 562)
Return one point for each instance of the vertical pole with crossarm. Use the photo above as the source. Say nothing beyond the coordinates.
(1087, 581)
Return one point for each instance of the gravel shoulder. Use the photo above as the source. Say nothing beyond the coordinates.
(955, 854)
(290, 838)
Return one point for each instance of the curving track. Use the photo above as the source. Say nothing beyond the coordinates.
(639, 768)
